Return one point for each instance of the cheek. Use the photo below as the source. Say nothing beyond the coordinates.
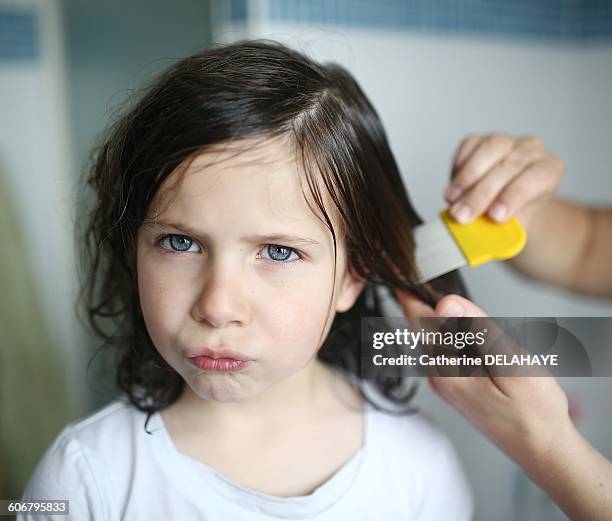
(296, 316)
(158, 304)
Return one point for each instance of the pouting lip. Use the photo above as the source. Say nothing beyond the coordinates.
(218, 353)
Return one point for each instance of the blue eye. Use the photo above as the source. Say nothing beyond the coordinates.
(178, 243)
(183, 244)
(280, 253)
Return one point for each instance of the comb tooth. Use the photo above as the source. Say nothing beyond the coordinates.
(436, 251)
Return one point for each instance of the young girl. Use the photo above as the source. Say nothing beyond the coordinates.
(247, 206)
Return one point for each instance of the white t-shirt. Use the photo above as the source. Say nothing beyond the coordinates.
(110, 469)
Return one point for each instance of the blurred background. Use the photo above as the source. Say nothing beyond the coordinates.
(436, 70)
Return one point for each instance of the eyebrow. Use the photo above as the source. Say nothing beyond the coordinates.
(270, 238)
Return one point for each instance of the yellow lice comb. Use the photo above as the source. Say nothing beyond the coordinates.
(444, 244)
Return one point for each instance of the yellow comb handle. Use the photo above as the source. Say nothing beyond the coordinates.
(483, 240)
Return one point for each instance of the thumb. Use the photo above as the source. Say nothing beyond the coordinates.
(412, 306)
(456, 306)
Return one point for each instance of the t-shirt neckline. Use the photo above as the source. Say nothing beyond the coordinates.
(289, 507)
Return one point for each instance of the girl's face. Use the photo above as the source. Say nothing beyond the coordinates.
(236, 260)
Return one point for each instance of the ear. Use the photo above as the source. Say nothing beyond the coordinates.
(350, 289)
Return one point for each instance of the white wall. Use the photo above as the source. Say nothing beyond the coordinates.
(430, 92)
(35, 151)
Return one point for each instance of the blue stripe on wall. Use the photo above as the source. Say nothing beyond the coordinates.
(561, 20)
(18, 35)
(238, 10)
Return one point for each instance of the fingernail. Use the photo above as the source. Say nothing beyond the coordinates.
(461, 212)
(453, 193)
(451, 309)
(498, 212)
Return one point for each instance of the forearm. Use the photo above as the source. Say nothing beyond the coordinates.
(568, 245)
(579, 479)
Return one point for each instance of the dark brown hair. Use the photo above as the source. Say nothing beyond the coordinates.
(228, 93)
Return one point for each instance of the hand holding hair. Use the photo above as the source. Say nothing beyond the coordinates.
(528, 419)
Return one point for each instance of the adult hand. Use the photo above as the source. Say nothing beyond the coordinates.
(526, 417)
(501, 175)
(504, 176)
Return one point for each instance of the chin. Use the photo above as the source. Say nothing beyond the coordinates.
(221, 388)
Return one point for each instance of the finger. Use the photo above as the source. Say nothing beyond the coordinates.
(497, 342)
(452, 306)
(488, 152)
(412, 306)
(538, 180)
(464, 151)
(482, 195)
(456, 306)
(462, 392)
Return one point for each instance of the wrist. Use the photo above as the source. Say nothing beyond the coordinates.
(548, 460)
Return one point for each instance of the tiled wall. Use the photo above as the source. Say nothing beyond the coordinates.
(18, 35)
(573, 21)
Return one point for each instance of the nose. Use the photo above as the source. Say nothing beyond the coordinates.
(221, 299)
